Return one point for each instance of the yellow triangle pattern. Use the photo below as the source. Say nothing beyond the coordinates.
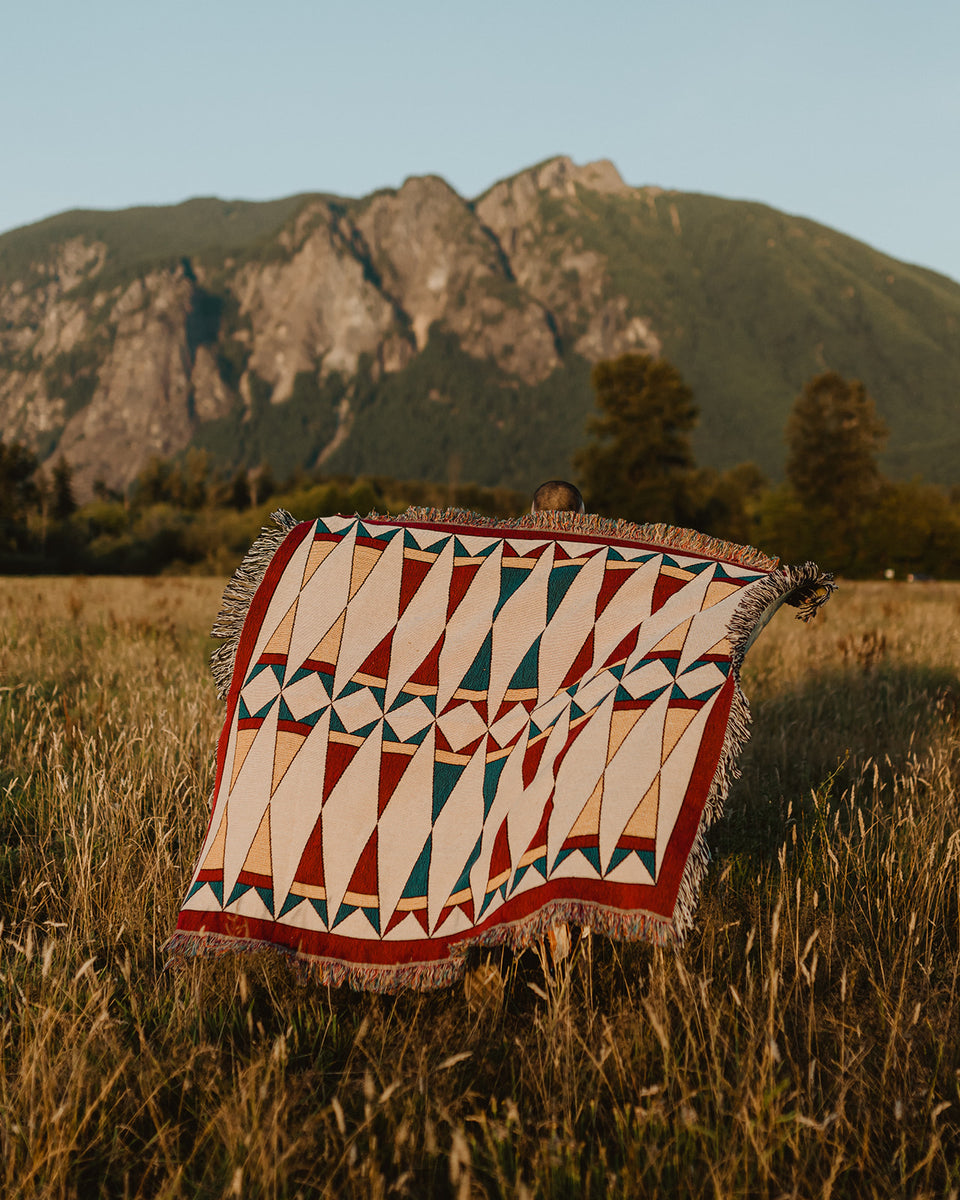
(622, 721)
(643, 823)
(280, 639)
(245, 739)
(318, 552)
(674, 727)
(674, 640)
(365, 558)
(259, 859)
(718, 590)
(286, 749)
(327, 649)
(214, 859)
(589, 818)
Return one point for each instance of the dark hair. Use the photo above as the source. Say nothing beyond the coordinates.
(556, 495)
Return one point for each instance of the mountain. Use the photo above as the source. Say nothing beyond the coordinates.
(418, 334)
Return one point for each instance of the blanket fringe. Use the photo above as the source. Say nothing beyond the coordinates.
(672, 537)
(806, 588)
(803, 587)
(238, 595)
(616, 924)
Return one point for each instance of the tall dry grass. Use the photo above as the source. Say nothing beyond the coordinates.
(805, 1041)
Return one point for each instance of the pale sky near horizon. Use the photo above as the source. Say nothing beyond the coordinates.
(845, 111)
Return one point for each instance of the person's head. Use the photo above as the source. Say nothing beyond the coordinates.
(556, 495)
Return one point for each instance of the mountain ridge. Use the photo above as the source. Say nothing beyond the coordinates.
(413, 331)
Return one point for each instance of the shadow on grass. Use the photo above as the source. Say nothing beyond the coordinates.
(822, 737)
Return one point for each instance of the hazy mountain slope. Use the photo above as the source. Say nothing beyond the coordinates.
(415, 333)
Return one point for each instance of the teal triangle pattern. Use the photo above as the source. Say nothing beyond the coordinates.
(416, 884)
(561, 577)
(491, 778)
(510, 580)
(477, 678)
(464, 880)
(290, 903)
(525, 676)
(445, 776)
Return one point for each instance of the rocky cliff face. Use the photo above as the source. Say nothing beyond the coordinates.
(110, 354)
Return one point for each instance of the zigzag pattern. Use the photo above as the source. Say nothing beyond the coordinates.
(433, 729)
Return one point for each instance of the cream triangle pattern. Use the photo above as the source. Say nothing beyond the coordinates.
(350, 816)
(287, 590)
(629, 775)
(292, 820)
(421, 623)
(446, 736)
(324, 598)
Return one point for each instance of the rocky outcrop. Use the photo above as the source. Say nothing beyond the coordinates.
(111, 377)
(441, 265)
(110, 354)
(568, 279)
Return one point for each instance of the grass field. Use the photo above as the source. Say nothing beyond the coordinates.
(804, 1042)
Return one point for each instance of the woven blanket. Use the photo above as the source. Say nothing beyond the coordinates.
(442, 731)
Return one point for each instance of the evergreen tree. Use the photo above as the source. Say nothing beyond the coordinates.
(639, 465)
(63, 499)
(833, 438)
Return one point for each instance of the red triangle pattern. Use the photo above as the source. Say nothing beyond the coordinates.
(500, 857)
(428, 673)
(613, 581)
(392, 767)
(415, 570)
(531, 760)
(377, 662)
(666, 586)
(395, 920)
(624, 648)
(581, 664)
(311, 861)
(365, 878)
(339, 756)
(460, 580)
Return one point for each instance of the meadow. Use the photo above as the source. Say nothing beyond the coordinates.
(805, 1041)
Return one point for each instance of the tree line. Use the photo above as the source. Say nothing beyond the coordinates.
(835, 504)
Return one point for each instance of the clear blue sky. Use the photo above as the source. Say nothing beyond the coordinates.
(846, 111)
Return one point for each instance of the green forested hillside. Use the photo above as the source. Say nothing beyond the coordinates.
(415, 334)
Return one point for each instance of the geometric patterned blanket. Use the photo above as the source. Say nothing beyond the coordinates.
(443, 732)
